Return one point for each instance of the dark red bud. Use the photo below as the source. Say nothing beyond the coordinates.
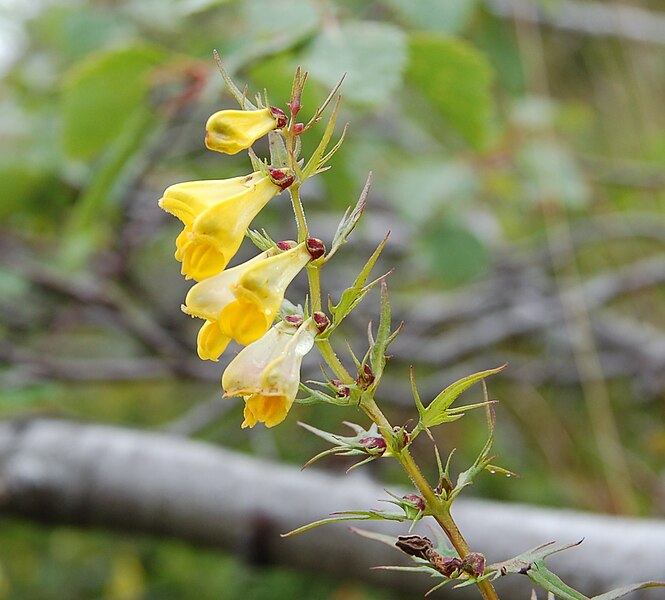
(365, 377)
(315, 248)
(474, 564)
(282, 178)
(280, 115)
(342, 390)
(297, 128)
(416, 500)
(374, 445)
(286, 245)
(295, 320)
(321, 320)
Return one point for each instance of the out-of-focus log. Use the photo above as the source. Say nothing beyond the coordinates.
(100, 476)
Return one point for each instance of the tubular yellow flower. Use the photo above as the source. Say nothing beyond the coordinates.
(267, 373)
(241, 303)
(216, 214)
(230, 131)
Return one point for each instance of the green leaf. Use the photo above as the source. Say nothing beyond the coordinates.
(436, 411)
(349, 220)
(450, 16)
(377, 351)
(521, 563)
(628, 589)
(456, 78)
(372, 54)
(353, 295)
(315, 524)
(454, 253)
(542, 576)
(101, 93)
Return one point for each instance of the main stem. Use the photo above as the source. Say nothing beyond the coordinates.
(439, 510)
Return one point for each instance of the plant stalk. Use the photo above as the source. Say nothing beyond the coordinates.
(438, 509)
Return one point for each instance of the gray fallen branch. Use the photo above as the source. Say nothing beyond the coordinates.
(100, 476)
(590, 18)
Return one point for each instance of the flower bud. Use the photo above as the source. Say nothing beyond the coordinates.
(315, 247)
(279, 115)
(282, 178)
(365, 377)
(295, 320)
(446, 565)
(341, 389)
(297, 128)
(321, 320)
(373, 445)
(230, 131)
(415, 500)
(286, 245)
(401, 437)
(474, 564)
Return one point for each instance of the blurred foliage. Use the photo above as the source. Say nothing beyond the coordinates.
(484, 136)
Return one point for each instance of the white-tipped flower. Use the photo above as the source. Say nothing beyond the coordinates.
(267, 373)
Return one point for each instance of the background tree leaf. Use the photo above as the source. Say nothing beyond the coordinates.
(456, 78)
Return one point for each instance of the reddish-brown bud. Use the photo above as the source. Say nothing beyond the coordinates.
(365, 377)
(340, 388)
(373, 445)
(297, 128)
(474, 564)
(280, 115)
(295, 320)
(282, 178)
(315, 248)
(286, 245)
(416, 500)
(446, 565)
(321, 320)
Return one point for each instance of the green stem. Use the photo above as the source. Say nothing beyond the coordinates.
(303, 232)
(439, 510)
(314, 277)
(328, 354)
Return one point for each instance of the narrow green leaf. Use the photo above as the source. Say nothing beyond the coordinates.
(314, 161)
(522, 562)
(373, 535)
(353, 295)
(377, 354)
(316, 524)
(349, 220)
(435, 412)
(416, 395)
(542, 576)
(624, 591)
(260, 239)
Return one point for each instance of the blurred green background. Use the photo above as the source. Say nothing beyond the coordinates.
(517, 157)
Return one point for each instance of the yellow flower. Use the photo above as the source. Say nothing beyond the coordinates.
(241, 303)
(216, 214)
(230, 131)
(267, 373)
